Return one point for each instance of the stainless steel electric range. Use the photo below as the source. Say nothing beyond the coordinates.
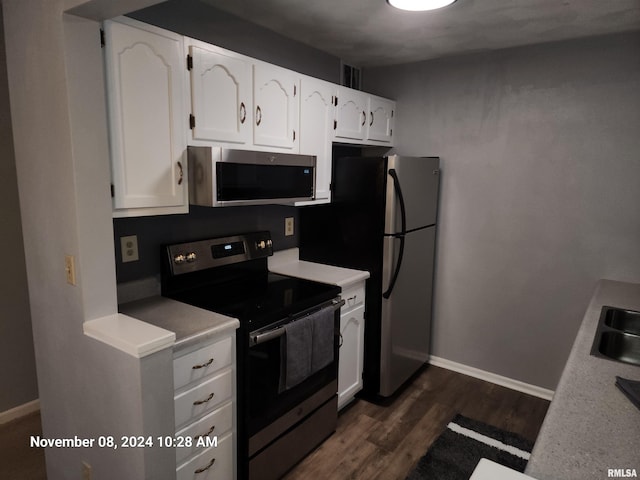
(282, 413)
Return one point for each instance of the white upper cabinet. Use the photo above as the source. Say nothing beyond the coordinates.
(381, 119)
(351, 114)
(275, 100)
(317, 108)
(221, 98)
(146, 78)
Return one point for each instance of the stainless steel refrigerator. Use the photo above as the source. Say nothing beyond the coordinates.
(383, 219)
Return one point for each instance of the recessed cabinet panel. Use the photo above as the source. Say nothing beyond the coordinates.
(145, 84)
(220, 96)
(275, 99)
(351, 355)
(351, 116)
(316, 128)
(381, 119)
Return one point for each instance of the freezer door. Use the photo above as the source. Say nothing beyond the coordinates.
(419, 182)
(406, 314)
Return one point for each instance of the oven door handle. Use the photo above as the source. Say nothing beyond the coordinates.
(256, 338)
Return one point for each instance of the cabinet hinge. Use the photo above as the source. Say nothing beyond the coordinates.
(189, 62)
(113, 192)
(102, 39)
(192, 121)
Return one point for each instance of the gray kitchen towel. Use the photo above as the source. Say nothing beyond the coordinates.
(296, 354)
(322, 343)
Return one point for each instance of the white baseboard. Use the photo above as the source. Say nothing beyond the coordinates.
(492, 378)
(19, 411)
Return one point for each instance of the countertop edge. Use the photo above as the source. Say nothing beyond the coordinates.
(130, 335)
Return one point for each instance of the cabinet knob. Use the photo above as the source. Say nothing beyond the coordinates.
(243, 112)
(180, 173)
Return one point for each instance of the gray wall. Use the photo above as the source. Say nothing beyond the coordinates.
(18, 374)
(540, 196)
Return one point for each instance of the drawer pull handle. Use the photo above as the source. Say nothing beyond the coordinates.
(349, 299)
(204, 365)
(200, 402)
(204, 469)
(205, 434)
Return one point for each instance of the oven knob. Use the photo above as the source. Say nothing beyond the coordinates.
(179, 259)
(261, 244)
(191, 257)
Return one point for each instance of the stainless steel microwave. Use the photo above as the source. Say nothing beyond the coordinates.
(223, 177)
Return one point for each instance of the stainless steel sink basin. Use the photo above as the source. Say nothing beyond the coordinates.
(623, 320)
(618, 335)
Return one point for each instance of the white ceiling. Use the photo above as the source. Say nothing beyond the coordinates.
(372, 33)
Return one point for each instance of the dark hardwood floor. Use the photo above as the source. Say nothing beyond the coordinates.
(371, 441)
(377, 442)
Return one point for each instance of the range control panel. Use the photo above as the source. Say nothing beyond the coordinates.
(216, 252)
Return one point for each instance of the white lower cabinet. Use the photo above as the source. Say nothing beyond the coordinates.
(351, 359)
(204, 397)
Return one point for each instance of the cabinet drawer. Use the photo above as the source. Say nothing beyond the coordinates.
(202, 362)
(215, 463)
(353, 295)
(216, 423)
(203, 398)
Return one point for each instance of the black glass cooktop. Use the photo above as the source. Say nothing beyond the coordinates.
(258, 299)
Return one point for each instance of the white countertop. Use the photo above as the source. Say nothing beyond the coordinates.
(591, 426)
(190, 324)
(287, 262)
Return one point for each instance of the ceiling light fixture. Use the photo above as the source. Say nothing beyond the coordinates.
(419, 5)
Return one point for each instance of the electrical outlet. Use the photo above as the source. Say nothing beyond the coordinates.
(288, 226)
(129, 248)
(86, 471)
(70, 269)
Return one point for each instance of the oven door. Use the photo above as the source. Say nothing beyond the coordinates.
(270, 410)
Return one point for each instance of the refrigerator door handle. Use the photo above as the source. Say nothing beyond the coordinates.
(400, 235)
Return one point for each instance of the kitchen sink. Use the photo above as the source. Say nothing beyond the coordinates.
(624, 320)
(618, 335)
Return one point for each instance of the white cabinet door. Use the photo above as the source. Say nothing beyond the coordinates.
(275, 99)
(146, 94)
(351, 355)
(351, 116)
(316, 128)
(381, 119)
(220, 95)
